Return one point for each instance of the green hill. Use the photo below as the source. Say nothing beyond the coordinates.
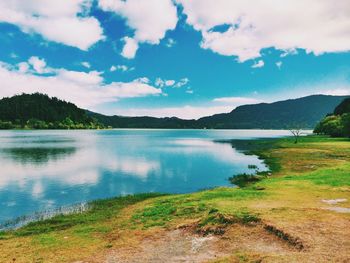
(338, 123)
(39, 111)
(343, 107)
(304, 112)
(144, 122)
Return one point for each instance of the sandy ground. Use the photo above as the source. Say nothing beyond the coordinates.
(177, 246)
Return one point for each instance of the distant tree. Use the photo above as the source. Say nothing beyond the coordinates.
(345, 122)
(296, 130)
(296, 133)
(330, 125)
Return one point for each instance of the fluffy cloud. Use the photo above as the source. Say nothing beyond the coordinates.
(34, 65)
(258, 64)
(247, 28)
(39, 65)
(171, 83)
(170, 42)
(86, 89)
(59, 21)
(122, 68)
(181, 83)
(189, 91)
(86, 64)
(279, 64)
(130, 47)
(150, 19)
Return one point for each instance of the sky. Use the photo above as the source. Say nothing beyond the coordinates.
(183, 58)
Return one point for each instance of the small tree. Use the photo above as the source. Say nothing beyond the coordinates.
(296, 133)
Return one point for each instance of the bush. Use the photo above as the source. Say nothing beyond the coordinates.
(6, 125)
(331, 125)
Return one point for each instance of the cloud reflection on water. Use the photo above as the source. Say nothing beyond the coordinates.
(45, 169)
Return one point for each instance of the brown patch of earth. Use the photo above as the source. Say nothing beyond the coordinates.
(179, 245)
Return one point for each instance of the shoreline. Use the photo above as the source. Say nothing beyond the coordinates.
(282, 208)
(47, 214)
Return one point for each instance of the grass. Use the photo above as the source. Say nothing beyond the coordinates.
(100, 211)
(290, 199)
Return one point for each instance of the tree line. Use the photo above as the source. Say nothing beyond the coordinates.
(39, 111)
(336, 124)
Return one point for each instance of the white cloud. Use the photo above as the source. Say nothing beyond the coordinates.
(13, 55)
(159, 82)
(181, 83)
(143, 80)
(315, 26)
(23, 67)
(258, 64)
(86, 89)
(136, 88)
(170, 42)
(122, 68)
(226, 104)
(86, 64)
(279, 64)
(236, 100)
(337, 91)
(59, 21)
(287, 52)
(79, 77)
(150, 19)
(184, 112)
(171, 83)
(38, 64)
(130, 47)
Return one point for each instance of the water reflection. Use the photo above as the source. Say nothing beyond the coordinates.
(36, 155)
(42, 170)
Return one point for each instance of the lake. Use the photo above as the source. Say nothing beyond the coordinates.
(41, 170)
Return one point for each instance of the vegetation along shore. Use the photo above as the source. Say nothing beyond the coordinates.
(297, 212)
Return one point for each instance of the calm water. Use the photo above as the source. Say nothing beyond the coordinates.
(42, 170)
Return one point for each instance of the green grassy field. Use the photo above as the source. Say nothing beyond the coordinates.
(285, 206)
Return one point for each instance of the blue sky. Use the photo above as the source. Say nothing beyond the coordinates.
(174, 58)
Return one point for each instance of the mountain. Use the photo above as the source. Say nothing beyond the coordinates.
(343, 107)
(144, 122)
(303, 112)
(39, 111)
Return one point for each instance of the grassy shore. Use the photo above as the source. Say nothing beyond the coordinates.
(298, 213)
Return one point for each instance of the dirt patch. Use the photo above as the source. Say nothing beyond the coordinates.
(174, 246)
(339, 209)
(334, 201)
(183, 245)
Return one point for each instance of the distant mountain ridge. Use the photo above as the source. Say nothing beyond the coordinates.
(39, 111)
(303, 112)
